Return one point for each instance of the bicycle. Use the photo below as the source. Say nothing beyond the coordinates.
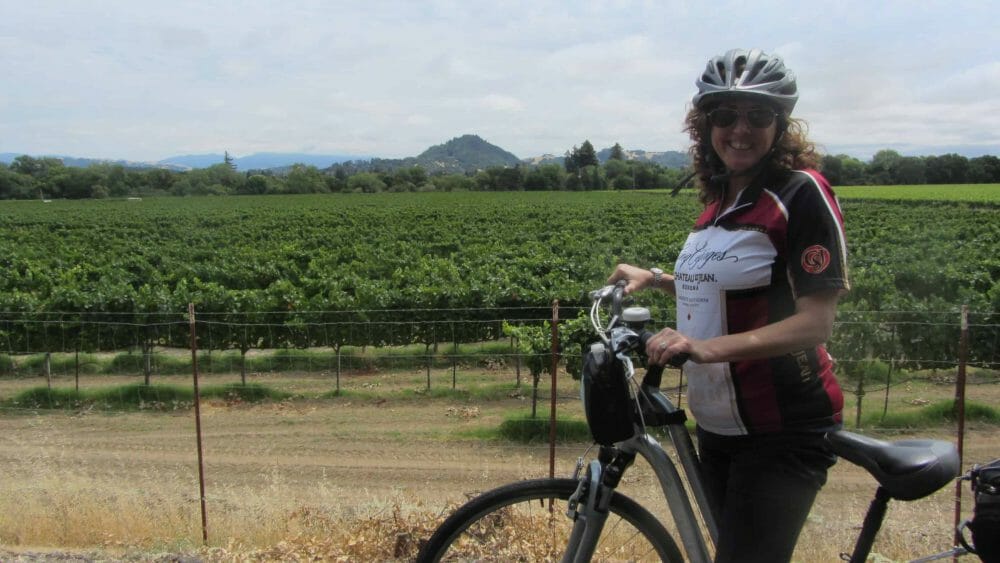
(585, 517)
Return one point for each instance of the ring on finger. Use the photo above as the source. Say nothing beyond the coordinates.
(663, 345)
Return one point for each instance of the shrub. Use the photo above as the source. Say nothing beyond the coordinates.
(526, 429)
(937, 414)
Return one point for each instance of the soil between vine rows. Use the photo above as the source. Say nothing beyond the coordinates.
(347, 458)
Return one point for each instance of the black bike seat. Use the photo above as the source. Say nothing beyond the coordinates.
(906, 469)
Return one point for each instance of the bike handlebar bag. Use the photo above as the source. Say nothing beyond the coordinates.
(606, 399)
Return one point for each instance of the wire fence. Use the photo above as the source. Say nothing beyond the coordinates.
(875, 351)
(923, 339)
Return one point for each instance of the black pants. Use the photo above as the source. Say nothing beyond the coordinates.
(762, 488)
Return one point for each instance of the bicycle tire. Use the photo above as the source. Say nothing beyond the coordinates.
(498, 525)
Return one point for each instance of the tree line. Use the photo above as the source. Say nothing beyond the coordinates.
(888, 167)
(580, 170)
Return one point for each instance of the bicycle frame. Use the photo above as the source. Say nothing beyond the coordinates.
(588, 507)
(590, 514)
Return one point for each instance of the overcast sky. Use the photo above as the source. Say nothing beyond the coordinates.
(144, 80)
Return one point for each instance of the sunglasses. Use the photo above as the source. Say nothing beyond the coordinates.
(758, 118)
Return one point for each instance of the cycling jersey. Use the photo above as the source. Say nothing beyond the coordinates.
(742, 268)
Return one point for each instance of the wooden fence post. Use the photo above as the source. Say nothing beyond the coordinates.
(197, 425)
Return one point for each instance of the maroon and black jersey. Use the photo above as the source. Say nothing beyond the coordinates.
(742, 268)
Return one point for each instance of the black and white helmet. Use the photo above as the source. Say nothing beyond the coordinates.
(743, 72)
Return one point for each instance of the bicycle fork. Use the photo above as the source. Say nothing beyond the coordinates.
(588, 507)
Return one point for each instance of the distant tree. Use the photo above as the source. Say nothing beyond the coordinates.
(576, 159)
(224, 176)
(546, 177)
(406, 179)
(365, 182)
(947, 169)
(587, 178)
(218, 179)
(113, 177)
(646, 175)
(984, 170)
(256, 184)
(228, 161)
(38, 168)
(619, 174)
(852, 172)
(617, 152)
(453, 183)
(882, 169)
(587, 156)
(335, 184)
(500, 179)
(182, 186)
(511, 178)
(159, 179)
(14, 185)
(910, 170)
(570, 160)
(417, 175)
(78, 183)
(304, 179)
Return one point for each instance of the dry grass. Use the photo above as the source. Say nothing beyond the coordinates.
(344, 479)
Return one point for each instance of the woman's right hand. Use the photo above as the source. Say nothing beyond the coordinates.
(636, 278)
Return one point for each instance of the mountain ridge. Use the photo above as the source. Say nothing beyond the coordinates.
(463, 154)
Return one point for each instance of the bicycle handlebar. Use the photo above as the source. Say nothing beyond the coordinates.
(617, 294)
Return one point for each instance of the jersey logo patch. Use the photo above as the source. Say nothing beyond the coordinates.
(815, 259)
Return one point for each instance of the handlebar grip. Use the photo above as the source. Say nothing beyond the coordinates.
(679, 360)
(654, 374)
(675, 361)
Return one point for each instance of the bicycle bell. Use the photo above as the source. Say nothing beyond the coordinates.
(635, 317)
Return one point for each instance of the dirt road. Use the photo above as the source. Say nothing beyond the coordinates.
(130, 481)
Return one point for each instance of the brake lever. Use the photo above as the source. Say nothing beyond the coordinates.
(601, 294)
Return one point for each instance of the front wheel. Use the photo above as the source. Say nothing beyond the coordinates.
(526, 521)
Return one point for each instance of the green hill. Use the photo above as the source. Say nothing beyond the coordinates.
(467, 153)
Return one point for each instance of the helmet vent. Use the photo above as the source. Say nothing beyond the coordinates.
(721, 69)
(738, 67)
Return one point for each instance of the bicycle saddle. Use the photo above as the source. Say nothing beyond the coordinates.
(906, 469)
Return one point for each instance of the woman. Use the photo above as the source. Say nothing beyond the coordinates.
(757, 285)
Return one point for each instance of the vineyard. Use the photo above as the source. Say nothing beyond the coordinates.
(399, 269)
(420, 295)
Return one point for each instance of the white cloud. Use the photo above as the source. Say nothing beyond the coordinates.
(144, 79)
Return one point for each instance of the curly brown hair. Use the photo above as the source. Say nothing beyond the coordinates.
(792, 151)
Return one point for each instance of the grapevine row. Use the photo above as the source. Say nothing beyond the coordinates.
(335, 261)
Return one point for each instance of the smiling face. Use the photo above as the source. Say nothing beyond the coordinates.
(739, 145)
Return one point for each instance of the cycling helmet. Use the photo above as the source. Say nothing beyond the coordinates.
(742, 72)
